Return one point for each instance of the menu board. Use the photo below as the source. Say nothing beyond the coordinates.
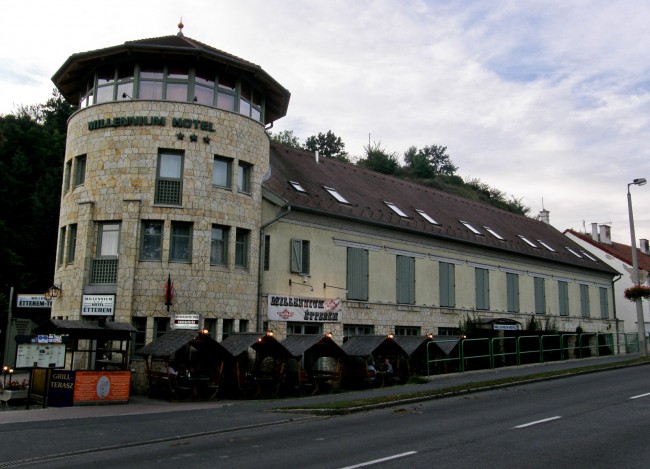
(40, 356)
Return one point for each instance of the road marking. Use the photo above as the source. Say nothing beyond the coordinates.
(640, 395)
(377, 461)
(538, 421)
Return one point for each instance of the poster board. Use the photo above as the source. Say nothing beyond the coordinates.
(40, 356)
(101, 387)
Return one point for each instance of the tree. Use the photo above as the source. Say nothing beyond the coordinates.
(429, 161)
(327, 145)
(286, 137)
(379, 159)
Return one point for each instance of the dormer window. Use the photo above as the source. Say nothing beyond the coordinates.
(297, 187)
(493, 233)
(427, 217)
(470, 227)
(528, 242)
(573, 252)
(334, 193)
(396, 209)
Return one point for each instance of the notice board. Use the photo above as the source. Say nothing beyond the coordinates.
(40, 356)
(99, 387)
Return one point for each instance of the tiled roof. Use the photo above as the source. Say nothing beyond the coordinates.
(264, 345)
(318, 345)
(364, 345)
(174, 340)
(620, 251)
(367, 191)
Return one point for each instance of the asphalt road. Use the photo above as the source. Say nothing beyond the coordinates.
(598, 420)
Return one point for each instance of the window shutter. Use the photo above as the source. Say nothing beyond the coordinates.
(296, 255)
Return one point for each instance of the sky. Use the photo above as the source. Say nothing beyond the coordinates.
(546, 101)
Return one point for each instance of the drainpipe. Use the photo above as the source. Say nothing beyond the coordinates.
(614, 302)
(260, 269)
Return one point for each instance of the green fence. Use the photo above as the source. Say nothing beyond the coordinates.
(481, 353)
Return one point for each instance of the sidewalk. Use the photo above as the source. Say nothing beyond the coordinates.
(144, 405)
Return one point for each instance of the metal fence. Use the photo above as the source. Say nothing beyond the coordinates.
(460, 355)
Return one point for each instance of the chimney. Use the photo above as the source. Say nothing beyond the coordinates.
(606, 234)
(594, 231)
(316, 156)
(644, 246)
(544, 215)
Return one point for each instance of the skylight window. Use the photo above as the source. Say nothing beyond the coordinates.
(396, 209)
(493, 233)
(545, 245)
(426, 216)
(297, 186)
(588, 256)
(334, 193)
(573, 252)
(470, 227)
(528, 241)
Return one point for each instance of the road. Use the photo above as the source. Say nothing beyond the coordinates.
(599, 420)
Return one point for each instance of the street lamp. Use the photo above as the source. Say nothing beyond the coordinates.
(643, 346)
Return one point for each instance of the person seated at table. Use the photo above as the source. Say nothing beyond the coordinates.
(372, 374)
(170, 370)
(387, 368)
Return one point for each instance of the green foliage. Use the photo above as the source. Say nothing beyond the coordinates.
(32, 148)
(534, 325)
(469, 325)
(286, 137)
(429, 161)
(327, 145)
(379, 159)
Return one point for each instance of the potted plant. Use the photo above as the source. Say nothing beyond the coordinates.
(636, 292)
(14, 390)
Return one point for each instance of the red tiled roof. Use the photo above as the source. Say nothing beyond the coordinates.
(620, 251)
(367, 192)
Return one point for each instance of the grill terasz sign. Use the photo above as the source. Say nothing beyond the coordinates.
(291, 308)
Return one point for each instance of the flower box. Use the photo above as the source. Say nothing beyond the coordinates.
(9, 394)
(636, 292)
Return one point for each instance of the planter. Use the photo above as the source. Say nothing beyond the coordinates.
(637, 292)
(9, 394)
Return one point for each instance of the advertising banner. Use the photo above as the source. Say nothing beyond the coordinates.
(98, 387)
(292, 308)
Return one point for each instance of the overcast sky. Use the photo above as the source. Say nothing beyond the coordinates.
(547, 101)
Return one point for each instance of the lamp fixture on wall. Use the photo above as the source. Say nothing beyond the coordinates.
(53, 292)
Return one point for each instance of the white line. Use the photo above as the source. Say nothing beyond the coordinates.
(377, 461)
(640, 395)
(538, 421)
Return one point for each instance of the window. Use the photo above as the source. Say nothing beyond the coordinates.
(66, 176)
(210, 325)
(169, 182)
(482, 285)
(241, 247)
(334, 193)
(244, 177)
(357, 274)
(563, 294)
(545, 245)
(72, 243)
(219, 245)
(584, 300)
(61, 255)
(448, 331)
(447, 281)
(294, 328)
(604, 303)
(177, 81)
(228, 327)
(540, 295)
(267, 252)
(226, 88)
(79, 170)
(407, 330)
(405, 280)
(527, 241)
(180, 244)
(396, 209)
(160, 326)
(151, 243)
(109, 238)
(300, 256)
(426, 216)
(356, 329)
(512, 287)
(573, 252)
(139, 337)
(588, 256)
(221, 172)
(493, 233)
(243, 325)
(151, 82)
(297, 186)
(204, 86)
(470, 227)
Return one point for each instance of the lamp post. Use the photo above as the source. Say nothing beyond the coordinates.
(643, 346)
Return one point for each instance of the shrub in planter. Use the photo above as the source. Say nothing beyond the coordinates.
(637, 291)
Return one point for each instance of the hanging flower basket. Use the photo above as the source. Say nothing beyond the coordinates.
(636, 292)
